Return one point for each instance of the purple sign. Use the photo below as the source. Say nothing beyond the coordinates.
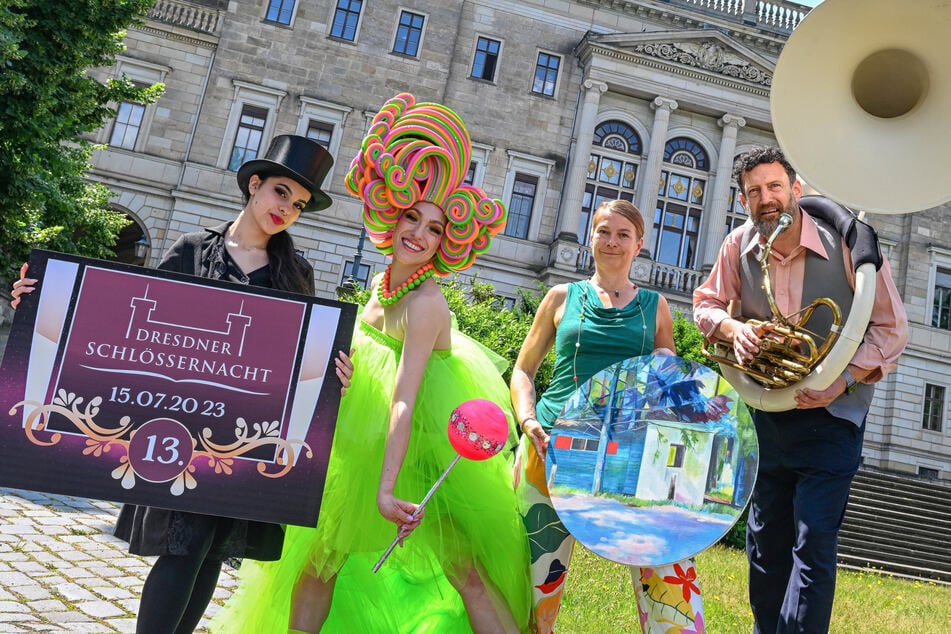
(150, 387)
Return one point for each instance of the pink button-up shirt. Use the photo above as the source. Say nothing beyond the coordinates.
(887, 331)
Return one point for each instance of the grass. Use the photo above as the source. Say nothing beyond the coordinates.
(599, 599)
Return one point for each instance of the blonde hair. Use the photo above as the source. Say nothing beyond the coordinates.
(622, 208)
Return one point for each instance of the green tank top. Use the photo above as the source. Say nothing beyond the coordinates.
(608, 335)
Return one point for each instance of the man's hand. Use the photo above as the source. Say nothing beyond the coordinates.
(809, 399)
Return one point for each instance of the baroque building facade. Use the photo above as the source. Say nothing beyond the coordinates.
(568, 103)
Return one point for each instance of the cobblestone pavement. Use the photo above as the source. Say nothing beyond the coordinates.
(61, 570)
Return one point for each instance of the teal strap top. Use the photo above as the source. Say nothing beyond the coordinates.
(608, 335)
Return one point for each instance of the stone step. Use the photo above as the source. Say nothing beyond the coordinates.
(925, 488)
(858, 562)
(906, 524)
(894, 545)
(896, 492)
(927, 511)
(862, 550)
(905, 515)
(898, 525)
(910, 484)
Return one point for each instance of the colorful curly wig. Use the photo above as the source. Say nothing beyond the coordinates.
(420, 152)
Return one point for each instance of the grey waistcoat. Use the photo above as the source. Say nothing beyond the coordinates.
(826, 278)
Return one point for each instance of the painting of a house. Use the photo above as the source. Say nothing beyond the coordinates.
(654, 447)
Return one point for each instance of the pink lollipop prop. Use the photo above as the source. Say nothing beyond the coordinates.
(477, 431)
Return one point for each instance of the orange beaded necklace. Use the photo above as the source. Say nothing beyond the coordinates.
(387, 297)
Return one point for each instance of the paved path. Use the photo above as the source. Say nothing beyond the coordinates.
(62, 571)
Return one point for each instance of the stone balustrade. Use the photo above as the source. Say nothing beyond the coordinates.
(778, 15)
(656, 275)
(186, 15)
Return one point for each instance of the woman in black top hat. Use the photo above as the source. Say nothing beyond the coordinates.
(255, 248)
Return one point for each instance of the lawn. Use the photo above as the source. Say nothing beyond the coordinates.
(599, 599)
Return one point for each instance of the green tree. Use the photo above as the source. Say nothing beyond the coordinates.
(47, 103)
(689, 341)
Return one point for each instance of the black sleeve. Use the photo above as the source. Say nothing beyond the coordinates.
(180, 257)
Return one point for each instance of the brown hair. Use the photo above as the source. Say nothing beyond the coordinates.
(623, 208)
(760, 156)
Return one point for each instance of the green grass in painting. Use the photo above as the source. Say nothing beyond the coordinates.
(599, 599)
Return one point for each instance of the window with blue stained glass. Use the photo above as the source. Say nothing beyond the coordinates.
(687, 153)
(617, 135)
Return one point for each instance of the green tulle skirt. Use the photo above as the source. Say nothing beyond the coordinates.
(472, 519)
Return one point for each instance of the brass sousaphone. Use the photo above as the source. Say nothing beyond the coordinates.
(859, 102)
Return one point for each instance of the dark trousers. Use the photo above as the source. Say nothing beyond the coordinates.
(180, 587)
(807, 461)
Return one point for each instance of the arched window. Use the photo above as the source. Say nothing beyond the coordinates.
(617, 135)
(612, 169)
(683, 184)
(133, 245)
(687, 153)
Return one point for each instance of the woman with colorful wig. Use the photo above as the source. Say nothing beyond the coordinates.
(463, 565)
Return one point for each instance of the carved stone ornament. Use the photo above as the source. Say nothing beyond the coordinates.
(708, 55)
(566, 254)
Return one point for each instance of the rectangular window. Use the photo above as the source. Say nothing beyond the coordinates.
(934, 407)
(675, 456)
(520, 207)
(470, 174)
(408, 34)
(927, 473)
(346, 18)
(941, 311)
(361, 276)
(280, 11)
(321, 132)
(546, 73)
(125, 132)
(247, 139)
(486, 58)
(735, 213)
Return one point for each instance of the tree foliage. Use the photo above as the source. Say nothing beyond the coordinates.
(47, 102)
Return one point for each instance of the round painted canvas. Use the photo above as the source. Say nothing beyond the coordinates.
(652, 460)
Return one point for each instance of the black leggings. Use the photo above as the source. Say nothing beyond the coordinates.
(179, 588)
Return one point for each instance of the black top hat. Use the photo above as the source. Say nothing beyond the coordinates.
(297, 157)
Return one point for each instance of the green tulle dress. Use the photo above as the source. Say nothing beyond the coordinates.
(471, 518)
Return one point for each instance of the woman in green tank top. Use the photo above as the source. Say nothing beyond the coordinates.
(592, 324)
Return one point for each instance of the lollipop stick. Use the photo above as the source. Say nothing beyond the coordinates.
(419, 509)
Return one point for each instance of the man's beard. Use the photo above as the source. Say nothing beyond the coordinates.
(767, 226)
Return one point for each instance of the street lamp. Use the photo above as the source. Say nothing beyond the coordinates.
(351, 285)
(141, 250)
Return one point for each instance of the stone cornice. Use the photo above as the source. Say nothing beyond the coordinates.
(676, 17)
(707, 56)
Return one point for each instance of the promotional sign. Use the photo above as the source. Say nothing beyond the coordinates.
(150, 387)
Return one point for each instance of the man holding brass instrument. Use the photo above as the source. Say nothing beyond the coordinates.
(779, 281)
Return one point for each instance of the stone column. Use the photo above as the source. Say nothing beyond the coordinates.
(650, 174)
(578, 164)
(717, 203)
